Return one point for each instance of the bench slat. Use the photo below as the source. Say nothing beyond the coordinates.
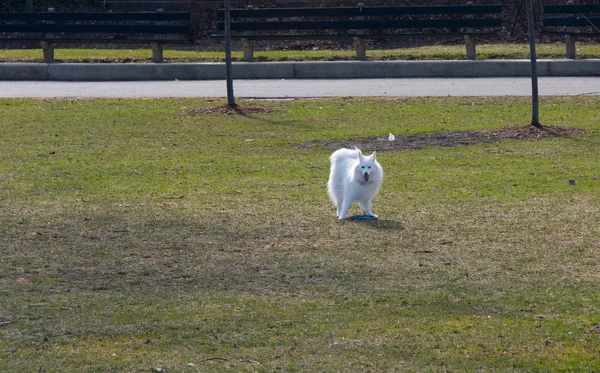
(95, 16)
(348, 36)
(363, 24)
(572, 21)
(363, 11)
(99, 28)
(567, 9)
(563, 33)
(76, 40)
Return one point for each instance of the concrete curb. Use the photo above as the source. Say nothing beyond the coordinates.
(295, 70)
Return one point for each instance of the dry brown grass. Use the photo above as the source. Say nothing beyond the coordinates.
(134, 238)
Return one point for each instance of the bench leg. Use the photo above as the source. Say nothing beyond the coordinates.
(470, 45)
(570, 44)
(361, 51)
(48, 49)
(470, 40)
(570, 39)
(157, 53)
(248, 46)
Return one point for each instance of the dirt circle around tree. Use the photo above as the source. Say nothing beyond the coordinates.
(414, 141)
(228, 110)
(447, 138)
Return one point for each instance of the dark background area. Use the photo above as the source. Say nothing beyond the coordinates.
(514, 12)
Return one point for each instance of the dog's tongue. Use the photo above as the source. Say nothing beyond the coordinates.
(366, 178)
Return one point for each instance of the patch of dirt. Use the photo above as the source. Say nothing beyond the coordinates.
(595, 329)
(446, 138)
(228, 110)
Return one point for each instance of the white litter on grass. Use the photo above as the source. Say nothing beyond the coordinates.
(391, 137)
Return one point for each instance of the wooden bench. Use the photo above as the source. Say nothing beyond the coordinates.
(155, 28)
(571, 21)
(360, 23)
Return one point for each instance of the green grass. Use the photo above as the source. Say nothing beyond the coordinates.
(136, 238)
(432, 52)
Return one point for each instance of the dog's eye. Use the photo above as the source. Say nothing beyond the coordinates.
(363, 167)
(369, 167)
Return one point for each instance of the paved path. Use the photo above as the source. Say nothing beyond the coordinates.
(548, 86)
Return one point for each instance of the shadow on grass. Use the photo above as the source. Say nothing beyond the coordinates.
(383, 224)
(583, 140)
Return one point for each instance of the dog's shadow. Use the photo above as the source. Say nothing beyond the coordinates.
(382, 224)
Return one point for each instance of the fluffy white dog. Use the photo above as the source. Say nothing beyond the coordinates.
(353, 178)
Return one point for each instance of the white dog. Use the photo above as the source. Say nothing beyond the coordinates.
(353, 177)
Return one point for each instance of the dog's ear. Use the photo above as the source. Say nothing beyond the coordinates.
(374, 155)
(360, 154)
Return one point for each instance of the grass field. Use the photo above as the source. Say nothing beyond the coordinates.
(136, 236)
(430, 52)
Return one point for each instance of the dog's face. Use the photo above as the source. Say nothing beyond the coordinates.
(366, 167)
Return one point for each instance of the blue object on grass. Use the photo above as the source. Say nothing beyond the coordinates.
(362, 217)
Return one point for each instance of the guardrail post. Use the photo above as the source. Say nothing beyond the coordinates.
(470, 40)
(48, 46)
(570, 39)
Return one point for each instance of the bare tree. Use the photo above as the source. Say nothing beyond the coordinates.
(535, 111)
(230, 96)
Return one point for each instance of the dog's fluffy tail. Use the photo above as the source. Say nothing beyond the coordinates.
(344, 153)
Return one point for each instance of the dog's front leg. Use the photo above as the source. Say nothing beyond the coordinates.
(362, 208)
(343, 212)
(366, 208)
